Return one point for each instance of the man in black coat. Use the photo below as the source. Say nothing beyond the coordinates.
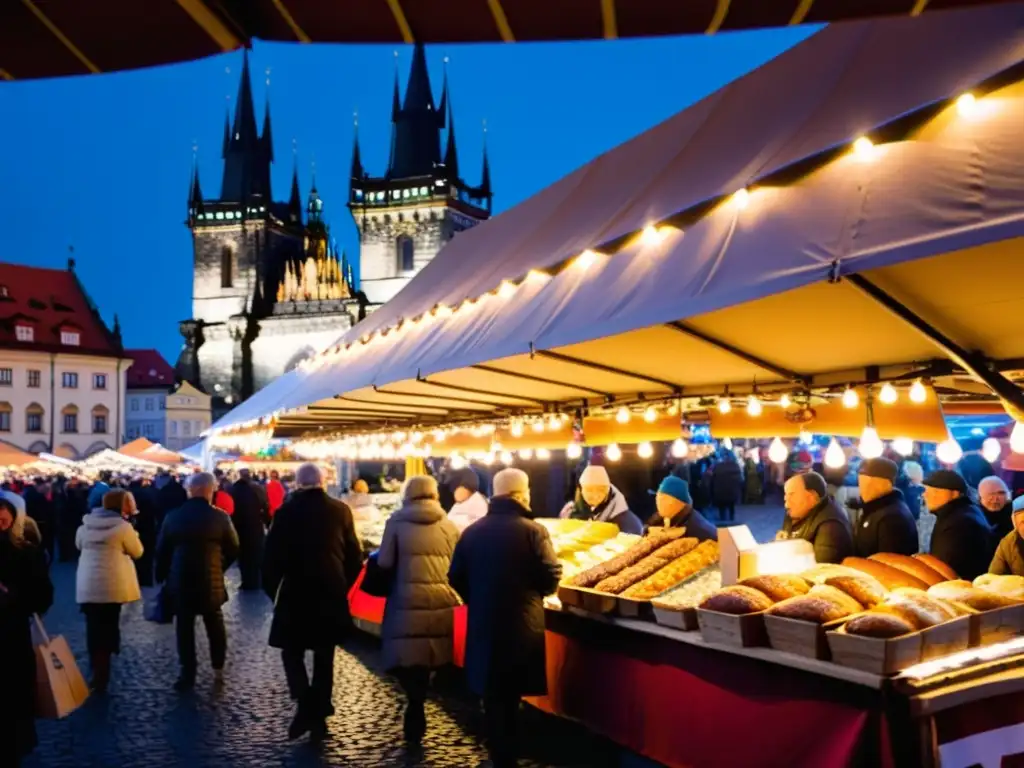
(726, 486)
(812, 515)
(962, 538)
(252, 515)
(885, 524)
(997, 506)
(146, 525)
(312, 557)
(197, 544)
(675, 510)
(503, 567)
(40, 507)
(170, 495)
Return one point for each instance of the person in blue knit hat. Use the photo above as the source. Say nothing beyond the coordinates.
(675, 510)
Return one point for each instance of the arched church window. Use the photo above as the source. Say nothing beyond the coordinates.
(227, 267)
(406, 250)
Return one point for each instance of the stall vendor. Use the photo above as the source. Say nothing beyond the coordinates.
(812, 515)
(675, 510)
(995, 503)
(470, 505)
(885, 523)
(962, 537)
(1009, 559)
(598, 500)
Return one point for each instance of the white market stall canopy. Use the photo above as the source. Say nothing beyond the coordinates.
(113, 460)
(748, 239)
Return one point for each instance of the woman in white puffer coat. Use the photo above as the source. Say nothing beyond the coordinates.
(107, 578)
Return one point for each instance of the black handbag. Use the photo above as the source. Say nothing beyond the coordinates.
(377, 582)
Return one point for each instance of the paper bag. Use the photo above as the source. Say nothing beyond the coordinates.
(60, 687)
(156, 607)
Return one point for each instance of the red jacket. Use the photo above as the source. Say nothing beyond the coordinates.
(275, 495)
(223, 500)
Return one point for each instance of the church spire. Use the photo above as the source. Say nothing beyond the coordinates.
(357, 160)
(244, 128)
(451, 155)
(315, 207)
(295, 201)
(416, 125)
(247, 157)
(485, 176)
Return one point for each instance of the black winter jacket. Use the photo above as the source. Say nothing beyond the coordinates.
(252, 511)
(1001, 522)
(503, 567)
(312, 557)
(695, 523)
(827, 527)
(726, 483)
(962, 538)
(885, 525)
(197, 544)
(1009, 558)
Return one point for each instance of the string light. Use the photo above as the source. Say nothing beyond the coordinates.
(918, 393)
(871, 446)
(754, 454)
(574, 450)
(622, 416)
(949, 452)
(967, 105)
(538, 426)
(727, 443)
(777, 451)
(888, 394)
(724, 406)
(488, 459)
(991, 449)
(506, 290)
(805, 438)
(753, 406)
(526, 454)
(506, 458)
(850, 398)
(585, 260)
(864, 149)
(613, 452)
(554, 422)
(742, 198)
(543, 454)
(785, 402)
(904, 446)
(651, 235)
(516, 430)
(650, 415)
(835, 457)
(537, 277)
(645, 450)
(679, 448)
(1017, 437)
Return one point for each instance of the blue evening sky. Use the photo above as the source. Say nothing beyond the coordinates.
(102, 162)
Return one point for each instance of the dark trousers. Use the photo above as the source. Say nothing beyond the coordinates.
(726, 512)
(185, 629)
(501, 713)
(102, 627)
(313, 696)
(250, 558)
(415, 681)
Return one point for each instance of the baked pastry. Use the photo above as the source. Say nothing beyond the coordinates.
(866, 590)
(809, 607)
(778, 587)
(1010, 586)
(881, 625)
(837, 596)
(673, 573)
(737, 600)
(948, 590)
(820, 573)
(916, 568)
(647, 567)
(936, 565)
(631, 556)
(889, 576)
(917, 609)
(978, 599)
(961, 609)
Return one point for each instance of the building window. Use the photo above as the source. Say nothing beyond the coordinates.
(24, 333)
(406, 251)
(5, 417)
(226, 267)
(69, 380)
(150, 404)
(99, 419)
(135, 404)
(147, 429)
(70, 338)
(34, 418)
(186, 428)
(99, 381)
(34, 379)
(163, 403)
(70, 419)
(174, 429)
(6, 377)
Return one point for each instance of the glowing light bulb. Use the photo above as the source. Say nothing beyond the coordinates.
(742, 198)
(805, 438)
(727, 443)
(516, 430)
(543, 454)
(537, 277)
(850, 398)
(835, 458)
(526, 454)
(949, 451)
(387, 452)
(489, 459)
(871, 445)
(864, 149)
(443, 310)
(574, 450)
(679, 448)
(506, 290)
(645, 450)
(777, 451)
(506, 458)
(754, 454)
(753, 406)
(918, 392)
(622, 416)
(538, 426)
(650, 415)
(651, 235)
(1017, 438)
(554, 423)
(904, 446)
(613, 452)
(724, 406)
(888, 394)
(785, 402)
(967, 105)
(991, 449)
(585, 260)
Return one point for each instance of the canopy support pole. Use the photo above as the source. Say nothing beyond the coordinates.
(778, 370)
(486, 393)
(974, 363)
(558, 356)
(542, 380)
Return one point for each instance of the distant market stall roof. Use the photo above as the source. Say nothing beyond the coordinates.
(805, 226)
(49, 38)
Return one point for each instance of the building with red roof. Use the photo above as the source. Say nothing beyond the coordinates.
(62, 369)
(160, 407)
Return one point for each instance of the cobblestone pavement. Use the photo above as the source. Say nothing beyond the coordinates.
(142, 722)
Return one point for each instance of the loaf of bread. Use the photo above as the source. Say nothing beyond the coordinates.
(916, 568)
(979, 599)
(890, 577)
(631, 556)
(880, 625)
(948, 590)
(647, 567)
(822, 572)
(961, 609)
(678, 570)
(866, 590)
(837, 596)
(1010, 586)
(916, 608)
(780, 587)
(737, 600)
(936, 565)
(809, 607)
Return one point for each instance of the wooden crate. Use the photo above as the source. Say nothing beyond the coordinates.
(589, 600)
(670, 616)
(872, 654)
(803, 638)
(946, 638)
(745, 631)
(633, 609)
(996, 626)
